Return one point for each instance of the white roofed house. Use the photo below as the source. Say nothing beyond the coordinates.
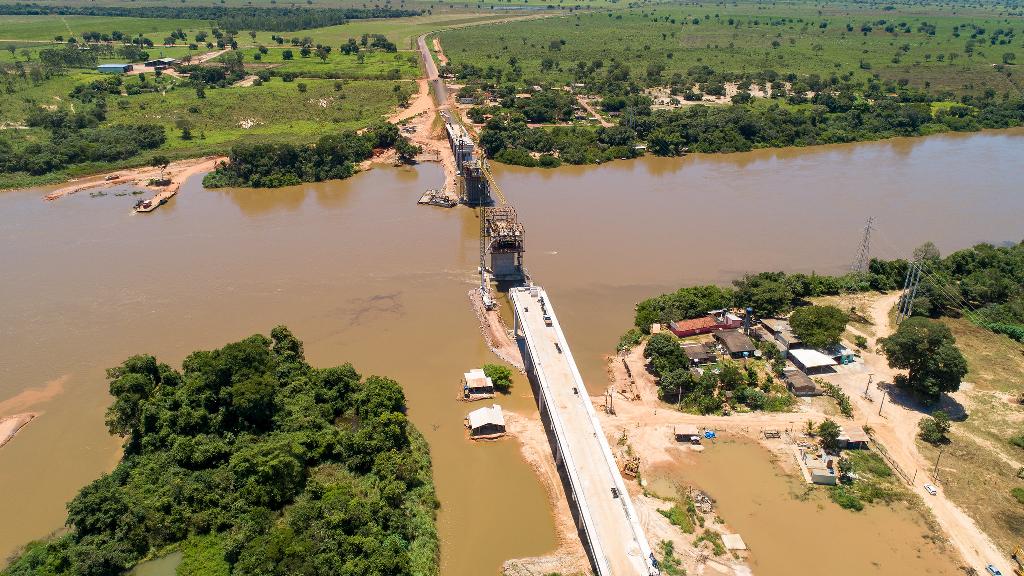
(476, 385)
(484, 423)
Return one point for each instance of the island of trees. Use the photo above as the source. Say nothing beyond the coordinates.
(252, 462)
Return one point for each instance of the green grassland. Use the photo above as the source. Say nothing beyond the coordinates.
(401, 31)
(46, 27)
(799, 38)
(979, 466)
(429, 6)
(375, 64)
(277, 111)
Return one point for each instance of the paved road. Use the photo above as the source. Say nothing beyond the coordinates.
(440, 93)
(586, 445)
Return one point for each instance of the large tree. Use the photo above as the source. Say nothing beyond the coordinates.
(818, 326)
(927, 349)
(767, 293)
(664, 353)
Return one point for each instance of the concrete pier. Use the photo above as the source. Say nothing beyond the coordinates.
(604, 513)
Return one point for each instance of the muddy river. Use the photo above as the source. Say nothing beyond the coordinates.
(362, 274)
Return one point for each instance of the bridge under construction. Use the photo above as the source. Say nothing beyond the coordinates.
(601, 505)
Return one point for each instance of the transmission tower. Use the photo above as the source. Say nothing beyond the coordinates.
(910, 285)
(860, 263)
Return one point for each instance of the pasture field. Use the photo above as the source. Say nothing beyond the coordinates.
(45, 28)
(374, 65)
(979, 466)
(401, 31)
(431, 6)
(934, 46)
(275, 111)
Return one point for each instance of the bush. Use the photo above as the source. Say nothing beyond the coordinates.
(860, 341)
(845, 498)
(680, 516)
(933, 429)
(500, 375)
(631, 338)
(1018, 494)
(1017, 440)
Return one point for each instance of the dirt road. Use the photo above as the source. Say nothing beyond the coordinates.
(897, 429)
(590, 110)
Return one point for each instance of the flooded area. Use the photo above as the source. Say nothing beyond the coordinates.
(792, 527)
(361, 273)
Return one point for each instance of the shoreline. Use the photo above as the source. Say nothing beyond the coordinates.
(11, 425)
(434, 150)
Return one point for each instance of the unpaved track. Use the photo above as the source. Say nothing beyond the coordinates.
(897, 430)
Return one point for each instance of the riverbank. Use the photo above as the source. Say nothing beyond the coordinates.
(177, 172)
(11, 425)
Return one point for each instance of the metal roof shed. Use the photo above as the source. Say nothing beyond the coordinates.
(811, 361)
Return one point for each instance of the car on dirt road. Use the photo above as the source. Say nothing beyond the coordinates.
(993, 570)
(929, 488)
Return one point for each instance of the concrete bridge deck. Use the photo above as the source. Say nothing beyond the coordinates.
(604, 512)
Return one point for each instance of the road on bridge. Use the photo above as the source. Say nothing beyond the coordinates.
(603, 493)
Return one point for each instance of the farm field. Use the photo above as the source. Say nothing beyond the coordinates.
(930, 46)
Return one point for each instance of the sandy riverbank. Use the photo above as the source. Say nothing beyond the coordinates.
(178, 171)
(11, 425)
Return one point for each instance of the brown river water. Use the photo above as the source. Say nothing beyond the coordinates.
(792, 527)
(363, 274)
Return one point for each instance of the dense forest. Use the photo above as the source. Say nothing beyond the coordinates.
(333, 157)
(268, 465)
(984, 283)
(232, 18)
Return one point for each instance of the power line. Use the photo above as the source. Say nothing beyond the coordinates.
(910, 284)
(860, 263)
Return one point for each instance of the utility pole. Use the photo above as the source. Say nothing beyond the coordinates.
(860, 263)
(936, 473)
(882, 404)
(868, 385)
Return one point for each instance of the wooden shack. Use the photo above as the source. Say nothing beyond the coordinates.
(476, 385)
(488, 422)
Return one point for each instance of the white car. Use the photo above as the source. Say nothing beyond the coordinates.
(929, 488)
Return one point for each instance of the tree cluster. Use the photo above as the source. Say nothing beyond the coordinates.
(76, 138)
(290, 468)
(333, 157)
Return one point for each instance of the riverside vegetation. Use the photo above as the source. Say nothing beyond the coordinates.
(793, 74)
(251, 461)
(985, 283)
(62, 118)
